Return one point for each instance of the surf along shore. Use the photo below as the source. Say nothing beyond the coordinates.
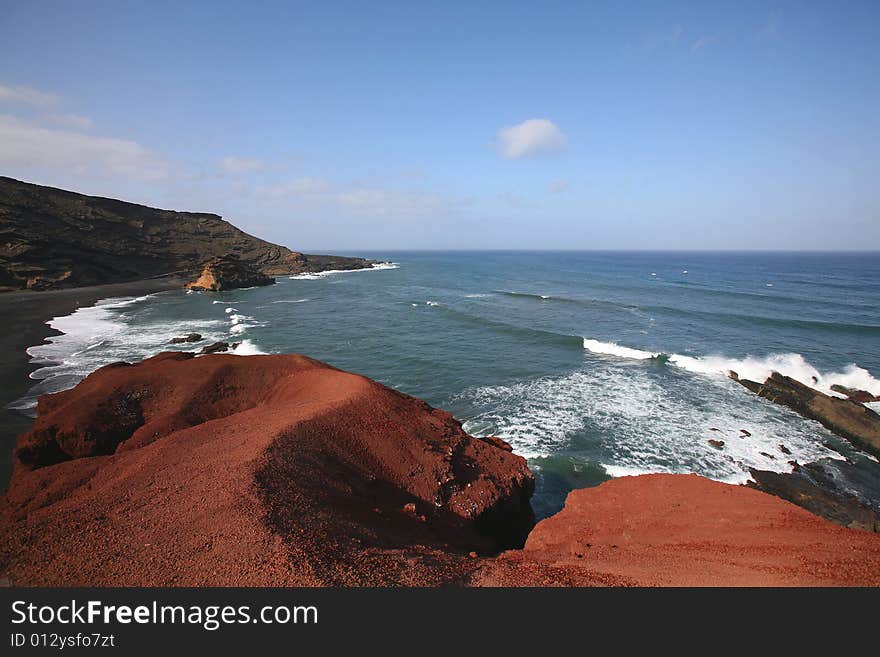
(25, 315)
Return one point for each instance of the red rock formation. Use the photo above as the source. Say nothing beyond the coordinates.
(684, 530)
(264, 470)
(281, 470)
(228, 273)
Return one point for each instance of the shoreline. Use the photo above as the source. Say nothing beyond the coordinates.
(26, 314)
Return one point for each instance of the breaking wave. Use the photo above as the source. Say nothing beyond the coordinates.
(751, 367)
(314, 276)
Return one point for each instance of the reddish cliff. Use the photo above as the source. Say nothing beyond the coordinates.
(684, 530)
(252, 470)
(281, 470)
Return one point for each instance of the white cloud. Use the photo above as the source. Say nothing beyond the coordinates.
(28, 145)
(297, 187)
(655, 42)
(71, 121)
(315, 193)
(702, 42)
(27, 96)
(558, 186)
(529, 138)
(236, 165)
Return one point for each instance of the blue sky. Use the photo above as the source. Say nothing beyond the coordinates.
(344, 126)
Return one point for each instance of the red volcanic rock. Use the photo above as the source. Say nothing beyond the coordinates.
(281, 470)
(684, 530)
(498, 442)
(256, 470)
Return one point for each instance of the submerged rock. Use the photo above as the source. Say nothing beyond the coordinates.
(845, 417)
(228, 273)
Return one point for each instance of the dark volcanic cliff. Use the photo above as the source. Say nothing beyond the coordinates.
(53, 238)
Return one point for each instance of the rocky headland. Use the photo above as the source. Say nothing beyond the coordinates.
(281, 470)
(228, 273)
(51, 238)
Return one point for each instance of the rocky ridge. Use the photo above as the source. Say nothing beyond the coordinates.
(52, 238)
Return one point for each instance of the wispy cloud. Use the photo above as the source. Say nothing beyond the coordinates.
(71, 121)
(530, 138)
(237, 165)
(558, 186)
(772, 27)
(703, 42)
(652, 43)
(27, 96)
(28, 145)
(309, 192)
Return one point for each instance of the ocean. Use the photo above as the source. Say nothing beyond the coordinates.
(591, 364)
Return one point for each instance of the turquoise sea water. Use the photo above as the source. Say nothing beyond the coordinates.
(591, 364)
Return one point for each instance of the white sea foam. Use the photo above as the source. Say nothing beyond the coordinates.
(791, 365)
(114, 330)
(431, 303)
(612, 349)
(309, 276)
(622, 471)
(247, 348)
(475, 296)
(291, 301)
(241, 323)
(631, 420)
(753, 368)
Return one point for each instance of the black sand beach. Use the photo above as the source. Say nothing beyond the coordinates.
(24, 321)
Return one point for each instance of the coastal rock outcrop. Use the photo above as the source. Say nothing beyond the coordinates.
(52, 238)
(258, 470)
(800, 487)
(845, 417)
(228, 273)
(189, 337)
(684, 530)
(861, 396)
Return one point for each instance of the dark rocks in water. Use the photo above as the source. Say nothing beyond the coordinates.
(228, 273)
(717, 444)
(861, 396)
(714, 429)
(53, 238)
(785, 450)
(769, 456)
(219, 347)
(848, 419)
(189, 337)
(746, 434)
(799, 489)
